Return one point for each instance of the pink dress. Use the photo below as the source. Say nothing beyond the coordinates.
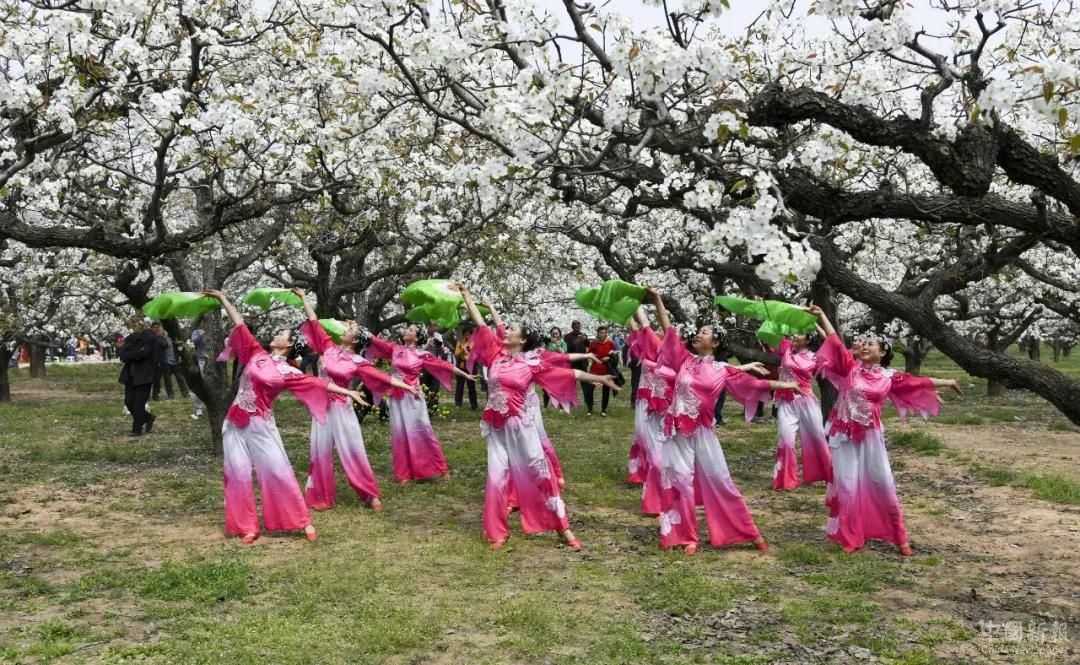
(798, 414)
(692, 459)
(341, 429)
(251, 439)
(416, 451)
(517, 463)
(862, 499)
(650, 404)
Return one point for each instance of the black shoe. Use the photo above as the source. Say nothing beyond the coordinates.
(150, 423)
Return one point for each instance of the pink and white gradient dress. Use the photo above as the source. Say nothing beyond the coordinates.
(798, 414)
(251, 439)
(517, 465)
(414, 448)
(650, 404)
(341, 429)
(693, 464)
(862, 499)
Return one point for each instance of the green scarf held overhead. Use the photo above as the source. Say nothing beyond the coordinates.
(180, 305)
(614, 300)
(433, 301)
(779, 319)
(264, 297)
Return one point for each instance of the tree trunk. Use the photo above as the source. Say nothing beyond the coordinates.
(1034, 350)
(37, 361)
(1057, 351)
(5, 379)
(995, 388)
(211, 385)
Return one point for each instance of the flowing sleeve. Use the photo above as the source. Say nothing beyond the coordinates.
(485, 347)
(914, 394)
(673, 352)
(746, 390)
(440, 369)
(311, 391)
(316, 337)
(834, 361)
(558, 381)
(375, 380)
(785, 347)
(378, 348)
(242, 344)
(555, 359)
(663, 371)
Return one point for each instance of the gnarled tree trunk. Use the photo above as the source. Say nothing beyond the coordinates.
(37, 360)
(5, 379)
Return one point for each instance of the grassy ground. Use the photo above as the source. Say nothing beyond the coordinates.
(114, 551)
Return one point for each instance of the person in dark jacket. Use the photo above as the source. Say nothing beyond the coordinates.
(140, 357)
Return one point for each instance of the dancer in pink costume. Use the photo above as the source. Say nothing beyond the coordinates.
(798, 414)
(532, 400)
(414, 448)
(342, 365)
(693, 463)
(516, 459)
(251, 437)
(862, 499)
(650, 404)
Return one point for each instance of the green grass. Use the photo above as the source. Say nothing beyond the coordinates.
(1052, 487)
(132, 566)
(920, 442)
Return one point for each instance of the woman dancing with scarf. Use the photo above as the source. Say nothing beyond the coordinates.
(251, 438)
(516, 460)
(862, 499)
(692, 459)
(798, 413)
(650, 404)
(532, 401)
(342, 365)
(414, 448)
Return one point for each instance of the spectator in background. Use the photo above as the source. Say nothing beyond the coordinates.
(198, 342)
(601, 347)
(140, 357)
(461, 355)
(556, 344)
(577, 342)
(167, 363)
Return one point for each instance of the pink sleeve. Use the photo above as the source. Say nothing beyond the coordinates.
(440, 369)
(785, 346)
(663, 371)
(835, 361)
(645, 345)
(379, 348)
(242, 344)
(558, 382)
(312, 393)
(486, 346)
(673, 352)
(746, 390)
(555, 359)
(916, 394)
(316, 337)
(378, 382)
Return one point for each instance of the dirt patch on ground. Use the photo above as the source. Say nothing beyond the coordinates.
(1019, 448)
(1009, 563)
